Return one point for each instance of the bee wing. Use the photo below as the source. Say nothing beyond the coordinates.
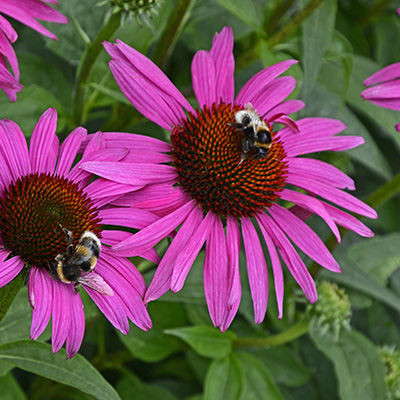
(251, 110)
(96, 282)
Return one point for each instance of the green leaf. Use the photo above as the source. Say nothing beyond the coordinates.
(354, 277)
(359, 369)
(154, 345)
(379, 256)
(207, 341)
(130, 387)
(224, 380)
(259, 383)
(317, 32)
(10, 389)
(77, 372)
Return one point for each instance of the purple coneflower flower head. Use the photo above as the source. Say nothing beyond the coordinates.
(43, 196)
(384, 88)
(218, 186)
(27, 12)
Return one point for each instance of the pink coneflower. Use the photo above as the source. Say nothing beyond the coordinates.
(384, 88)
(41, 192)
(27, 12)
(202, 186)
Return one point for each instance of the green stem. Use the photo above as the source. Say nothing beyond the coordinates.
(173, 27)
(291, 334)
(8, 293)
(92, 52)
(273, 18)
(294, 23)
(374, 12)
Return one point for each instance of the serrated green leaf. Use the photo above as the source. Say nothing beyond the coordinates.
(10, 389)
(77, 372)
(259, 383)
(359, 369)
(224, 380)
(317, 32)
(207, 341)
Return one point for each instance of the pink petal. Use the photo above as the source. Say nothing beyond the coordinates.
(14, 149)
(337, 196)
(7, 50)
(77, 327)
(385, 74)
(215, 272)
(321, 171)
(40, 287)
(190, 252)
(235, 288)
(43, 152)
(256, 270)
(312, 204)
(304, 237)
(161, 282)
(129, 217)
(102, 188)
(61, 312)
(222, 54)
(203, 78)
(151, 235)
(132, 173)
(291, 258)
(286, 107)
(10, 268)
(262, 79)
(276, 268)
(69, 150)
(7, 28)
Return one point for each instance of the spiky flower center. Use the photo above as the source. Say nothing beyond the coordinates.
(207, 150)
(32, 211)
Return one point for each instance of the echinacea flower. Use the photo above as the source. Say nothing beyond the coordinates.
(27, 12)
(384, 88)
(41, 193)
(200, 185)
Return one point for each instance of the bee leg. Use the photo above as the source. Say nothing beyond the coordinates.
(68, 235)
(246, 149)
(77, 284)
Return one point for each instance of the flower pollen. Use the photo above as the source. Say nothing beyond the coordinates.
(207, 150)
(32, 211)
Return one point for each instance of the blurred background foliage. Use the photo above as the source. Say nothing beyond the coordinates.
(346, 345)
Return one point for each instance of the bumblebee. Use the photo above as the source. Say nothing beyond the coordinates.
(256, 134)
(76, 264)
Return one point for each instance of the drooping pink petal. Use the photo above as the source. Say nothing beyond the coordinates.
(235, 288)
(291, 258)
(304, 237)
(13, 149)
(222, 54)
(216, 284)
(262, 79)
(320, 171)
(203, 78)
(112, 307)
(312, 204)
(10, 268)
(44, 143)
(161, 282)
(276, 268)
(69, 150)
(256, 270)
(40, 288)
(385, 74)
(6, 49)
(337, 196)
(8, 30)
(61, 312)
(152, 234)
(8, 83)
(190, 252)
(77, 327)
